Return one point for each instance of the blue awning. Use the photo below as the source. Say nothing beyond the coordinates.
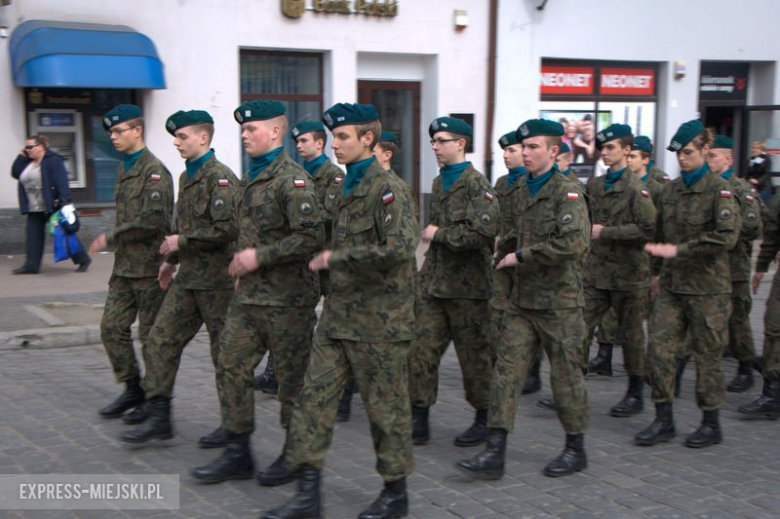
(83, 55)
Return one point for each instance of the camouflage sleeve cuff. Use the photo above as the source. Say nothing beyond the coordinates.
(173, 258)
(683, 250)
(182, 240)
(263, 255)
(438, 236)
(606, 233)
(337, 258)
(110, 239)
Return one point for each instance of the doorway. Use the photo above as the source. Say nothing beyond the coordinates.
(726, 120)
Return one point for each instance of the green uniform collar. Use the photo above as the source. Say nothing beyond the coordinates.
(131, 158)
(612, 178)
(355, 172)
(311, 166)
(261, 162)
(692, 177)
(727, 174)
(451, 173)
(515, 174)
(536, 184)
(194, 165)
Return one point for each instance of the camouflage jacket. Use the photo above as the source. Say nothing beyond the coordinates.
(751, 208)
(144, 210)
(553, 234)
(617, 260)
(654, 187)
(770, 246)
(206, 225)
(326, 177)
(373, 264)
(459, 261)
(279, 215)
(704, 222)
(659, 175)
(507, 237)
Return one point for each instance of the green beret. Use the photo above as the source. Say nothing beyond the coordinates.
(388, 137)
(721, 141)
(304, 127)
(685, 134)
(182, 119)
(259, 110)
(564, 149)
(507, 139)
(451, 125)
(642, 143)
(612, 132)
(120, 114)
(536, 127)
(342, 114)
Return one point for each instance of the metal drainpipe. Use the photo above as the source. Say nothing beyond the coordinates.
(491, 89)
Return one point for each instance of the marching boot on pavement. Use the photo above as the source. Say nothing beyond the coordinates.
(743, 379)
(546, 403)
(235, 462)
(306, 503)
(137, 415)
(601, 364)
(392, 503)
(266, 381)
(768, 404)
(662, 428)
(421, 432)
(215, 439)
(708, 433)
(156, 427)
(132, 396)
(534, 381)
(679, 369)
(633, 402)
(278, 473)
(572, 459)
(477, 433)
(488, 464)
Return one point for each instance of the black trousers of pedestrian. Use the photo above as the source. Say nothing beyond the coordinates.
(36, 241)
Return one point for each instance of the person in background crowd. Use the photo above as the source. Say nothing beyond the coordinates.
(759, 172)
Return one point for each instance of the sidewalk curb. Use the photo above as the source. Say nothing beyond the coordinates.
(58, 337)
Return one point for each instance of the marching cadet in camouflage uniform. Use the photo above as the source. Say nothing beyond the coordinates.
(617, 269)
(201, 243)
(721, 160)
(144, 206)
(655, 172)
(507, 189)
(366, 325)
(553, 234)
(384, 151)
(279, 230)
(638, 161)
(698, 222)
(563, 161)
(767, 406)
(456, 282)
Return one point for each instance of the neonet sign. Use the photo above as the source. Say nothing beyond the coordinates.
(384, 8)
(584, 80)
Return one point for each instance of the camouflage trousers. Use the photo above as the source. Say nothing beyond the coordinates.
(607, 331)
(380, 370)
(740, 332)
(524, 333)
(182, 314)
(630, 307)
(466, 322)
(128, 298)
(500, 302)
(703, 321)
(772, 332)
(250, 331)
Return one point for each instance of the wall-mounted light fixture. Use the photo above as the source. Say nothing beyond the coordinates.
(679, 69)
(539, 4)
(460, 18)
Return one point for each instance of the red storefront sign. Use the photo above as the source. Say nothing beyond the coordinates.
(627, 81)
(566, 80)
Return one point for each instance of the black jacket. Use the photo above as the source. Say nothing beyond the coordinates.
(56, 191)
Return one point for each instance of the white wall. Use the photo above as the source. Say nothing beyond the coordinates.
(662, 31)
(199, 41)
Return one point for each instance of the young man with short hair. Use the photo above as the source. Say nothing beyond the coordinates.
(144, 206)
(563, 161)
(366, 326)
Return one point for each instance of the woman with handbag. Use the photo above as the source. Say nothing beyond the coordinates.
(43, 189)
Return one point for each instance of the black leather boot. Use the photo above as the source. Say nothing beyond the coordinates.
(137, 415)
(215, 439)
(488, 464)
(679, 364)
(235, 462)
(767, 406)
(266, 382)
(708, 433)
(572, 459)
(132, 396)
(534, 382)
(345, 403)
(306, 503)
(477, 433)
(758, 364)
(546, 403)
(633, 402)
(662, 428)
(278, 473)
(156, 427)
(392, 503)
(601, 364)
(744, 378)
(421, 433)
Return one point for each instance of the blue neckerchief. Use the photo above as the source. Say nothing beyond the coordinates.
(644, 179)
(514, 174)
(650, 165)
(311, 166)
(132, 158)
(535, 184)
(451, 173)
(691, 177)
(261, 162)
(355, 172)
(194, 165)
(612, 178)
(727, 174)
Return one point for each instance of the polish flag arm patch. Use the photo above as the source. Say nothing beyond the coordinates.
(725, 193)
(749, 198)
(572, 196)
(299, 182)
(223, 182)
(388, 197)
(488, 196)
(155, 176)
(645, 193)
